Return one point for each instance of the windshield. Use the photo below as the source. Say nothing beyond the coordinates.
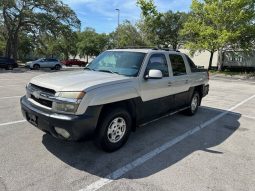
(120, 62)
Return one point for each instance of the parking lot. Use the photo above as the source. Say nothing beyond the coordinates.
(213, 150)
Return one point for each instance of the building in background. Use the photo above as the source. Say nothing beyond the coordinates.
(228, 58)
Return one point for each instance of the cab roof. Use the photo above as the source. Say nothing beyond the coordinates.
(146, 50)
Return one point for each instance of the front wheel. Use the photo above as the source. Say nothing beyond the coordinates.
(36, 67)
(9, 67)
(194, 104)
(57, 67)
(114, 130)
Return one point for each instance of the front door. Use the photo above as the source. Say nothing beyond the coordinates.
(155, 93)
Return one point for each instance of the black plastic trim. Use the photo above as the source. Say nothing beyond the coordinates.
(79, 126)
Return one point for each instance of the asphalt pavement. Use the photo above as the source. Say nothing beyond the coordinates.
(213, 150)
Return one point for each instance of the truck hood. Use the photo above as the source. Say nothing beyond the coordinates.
(77, 80)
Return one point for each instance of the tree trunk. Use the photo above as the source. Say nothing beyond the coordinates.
(220, 60)
(11, 50)
(8, 47)
(174, 46)
(210, 61)
(87, 58)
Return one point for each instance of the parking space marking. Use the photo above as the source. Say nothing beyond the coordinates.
(1, 98)
(139, 161)
(12, 85)
(232, 113)
(11, 123)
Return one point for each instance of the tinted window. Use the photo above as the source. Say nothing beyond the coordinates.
(193, 67)
(51, 60)
(158, 62)
(178, 65)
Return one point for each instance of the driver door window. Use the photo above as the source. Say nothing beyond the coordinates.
(158, 62)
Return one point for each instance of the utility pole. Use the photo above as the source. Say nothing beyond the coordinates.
(118, 10)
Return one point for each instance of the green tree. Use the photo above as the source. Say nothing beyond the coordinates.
(213, 25)
(161, 28)
(91, 43)
(26, 46)
(129, 35)
(49, 16)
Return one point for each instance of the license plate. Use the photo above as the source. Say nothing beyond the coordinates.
(32, 119)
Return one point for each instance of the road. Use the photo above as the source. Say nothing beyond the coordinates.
(213, 150)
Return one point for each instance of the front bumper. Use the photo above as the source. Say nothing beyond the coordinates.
(78, 126)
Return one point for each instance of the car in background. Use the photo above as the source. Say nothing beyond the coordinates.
(44, 63)
(72, 62)
(8, 63)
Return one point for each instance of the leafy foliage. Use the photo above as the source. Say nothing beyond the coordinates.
(91, 43)
(128, 35)
(213, 25)
(50, 17)
(161, 28)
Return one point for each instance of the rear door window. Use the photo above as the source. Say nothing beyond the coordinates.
(178, 65)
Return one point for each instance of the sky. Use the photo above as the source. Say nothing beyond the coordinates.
(102, 16)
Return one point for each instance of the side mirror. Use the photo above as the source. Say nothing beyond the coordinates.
(154, 74)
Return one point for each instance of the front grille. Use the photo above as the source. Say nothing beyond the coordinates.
(44, 102)
(41, 95)
(42, 89)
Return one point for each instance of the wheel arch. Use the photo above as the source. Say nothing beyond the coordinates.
(200, 90)
(129, 105)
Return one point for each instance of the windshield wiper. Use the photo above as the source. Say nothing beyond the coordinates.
(108, 71)
(86, 68)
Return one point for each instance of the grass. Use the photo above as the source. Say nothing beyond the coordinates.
(247, 74)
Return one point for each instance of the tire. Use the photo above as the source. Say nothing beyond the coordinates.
(193, 105)
(57, 67)
(9, 67)
(113, 130)
(36, 66)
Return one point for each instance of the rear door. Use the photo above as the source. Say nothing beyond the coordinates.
(179, 82)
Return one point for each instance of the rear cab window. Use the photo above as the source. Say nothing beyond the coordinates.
(193, 67)
(178, 65)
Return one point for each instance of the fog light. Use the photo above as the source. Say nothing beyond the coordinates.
(64, 133)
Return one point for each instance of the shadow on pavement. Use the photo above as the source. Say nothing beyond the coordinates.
(86, 157)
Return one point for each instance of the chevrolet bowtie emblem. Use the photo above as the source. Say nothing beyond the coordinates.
(36, 94)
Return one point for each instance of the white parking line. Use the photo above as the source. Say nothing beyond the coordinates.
(1, 98)
(11, 123)
(12, 85)
(232, 113)
(139, 161)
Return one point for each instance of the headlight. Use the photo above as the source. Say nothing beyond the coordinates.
(71, 95)
(67, 102)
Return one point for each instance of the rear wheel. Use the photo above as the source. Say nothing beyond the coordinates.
(36, 67)
(194, 104)
(114, 130)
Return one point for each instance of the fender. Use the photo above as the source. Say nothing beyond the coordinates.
(109, 94)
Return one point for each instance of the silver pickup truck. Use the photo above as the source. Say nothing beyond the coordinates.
(117, 92)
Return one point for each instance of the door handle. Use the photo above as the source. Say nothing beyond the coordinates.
(186, 81)
(169, 83)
